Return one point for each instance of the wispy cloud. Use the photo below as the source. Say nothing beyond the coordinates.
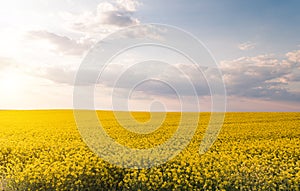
(247, 45)
(63, 44)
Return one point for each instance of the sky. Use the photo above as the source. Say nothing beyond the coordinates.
(255, 43)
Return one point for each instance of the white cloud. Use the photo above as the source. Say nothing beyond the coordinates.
(108, 17)
(145, 31)
(247, 45)
(129, 5)
(293, 60)
(263, 76)
(294, 56)
(63, 44)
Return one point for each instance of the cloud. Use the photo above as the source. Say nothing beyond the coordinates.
(294, 56)
(121, 18)
(64, 45)
(144, 31)
(158, 79)
(247, 45)
(118, 13)
(58, 75)
(293, 60)
(263, 76)
(109, 16)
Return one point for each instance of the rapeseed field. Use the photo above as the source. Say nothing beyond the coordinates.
(43, 150)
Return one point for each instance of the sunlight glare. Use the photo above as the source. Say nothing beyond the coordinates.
(10, 83)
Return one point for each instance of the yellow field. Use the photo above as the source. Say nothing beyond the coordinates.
(254, 151)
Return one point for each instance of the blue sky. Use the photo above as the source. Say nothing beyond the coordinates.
(255, 43)
(223, 24)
